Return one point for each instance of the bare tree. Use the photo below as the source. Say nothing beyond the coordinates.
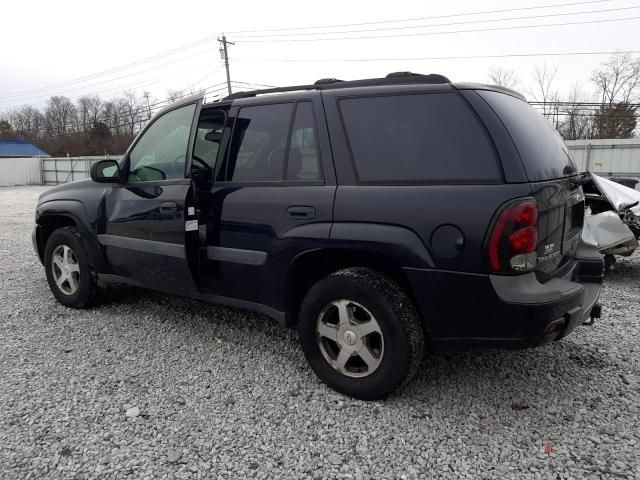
(6, 129)
(60, 115)
(94, 107)
(617, 79)
(617, 82)
(148, 100)
(130, 110)
(27, 121)
(543, 91)
(173, 95)
(83, 114)
(503, 77)
(576, 120)
(111, 115)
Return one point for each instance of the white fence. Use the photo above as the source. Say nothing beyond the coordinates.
(45, 170)
(609, 158)
(20, 171)
(612, 158)
(57, 170)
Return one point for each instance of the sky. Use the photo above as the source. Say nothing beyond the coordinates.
(65, 47)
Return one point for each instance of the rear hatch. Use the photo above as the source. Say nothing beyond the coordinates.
(552, 174)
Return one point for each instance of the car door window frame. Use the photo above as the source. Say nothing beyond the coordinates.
(170, 181)
(194, 132)
(316, 146)
(233, 114)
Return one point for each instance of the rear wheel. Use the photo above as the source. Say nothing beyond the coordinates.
(361, 333)
(69, 270)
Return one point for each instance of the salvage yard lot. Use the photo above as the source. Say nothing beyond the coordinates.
(224, 393)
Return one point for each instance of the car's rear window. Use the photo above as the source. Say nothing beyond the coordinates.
(418, 138)
(544, 154)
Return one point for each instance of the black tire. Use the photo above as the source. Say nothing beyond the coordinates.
(398, 320)
(85, 293)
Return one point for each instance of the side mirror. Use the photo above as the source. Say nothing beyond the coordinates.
(105, 171)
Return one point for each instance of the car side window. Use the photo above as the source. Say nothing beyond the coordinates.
(161, 152)
(258, 146)
(302, 163)
(431, 137)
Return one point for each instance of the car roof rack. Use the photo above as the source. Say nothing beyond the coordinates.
(393, 78)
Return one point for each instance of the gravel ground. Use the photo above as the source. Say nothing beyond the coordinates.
(149, 386)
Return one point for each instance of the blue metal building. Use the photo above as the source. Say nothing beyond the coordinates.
(19, 148)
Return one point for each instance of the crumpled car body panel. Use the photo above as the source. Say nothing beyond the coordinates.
(613, 232)
(609, 234)
(619, 196)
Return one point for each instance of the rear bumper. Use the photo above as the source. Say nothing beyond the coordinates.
(507, 312)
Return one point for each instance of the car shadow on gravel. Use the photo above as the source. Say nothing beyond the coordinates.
(185, 312)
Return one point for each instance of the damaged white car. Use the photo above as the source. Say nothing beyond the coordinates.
(612, 220)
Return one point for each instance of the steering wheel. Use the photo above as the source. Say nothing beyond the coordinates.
(202, 162)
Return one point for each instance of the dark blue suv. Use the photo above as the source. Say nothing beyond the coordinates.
(379, 217)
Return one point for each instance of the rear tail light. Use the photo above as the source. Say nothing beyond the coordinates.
(513, 239)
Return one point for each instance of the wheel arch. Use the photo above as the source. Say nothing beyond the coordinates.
(56, 214)
(311, 266)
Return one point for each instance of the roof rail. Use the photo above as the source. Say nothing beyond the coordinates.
(331, 83)
(253, 93)
(323, 81)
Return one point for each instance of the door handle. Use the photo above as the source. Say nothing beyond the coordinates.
(300, 212)
(168, 207)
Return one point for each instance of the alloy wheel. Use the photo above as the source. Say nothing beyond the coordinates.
(350, 338)
(65, 269)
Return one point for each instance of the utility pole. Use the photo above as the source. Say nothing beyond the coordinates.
(225, 56)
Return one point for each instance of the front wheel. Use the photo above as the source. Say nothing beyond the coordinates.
(69, 269)
(361, 333)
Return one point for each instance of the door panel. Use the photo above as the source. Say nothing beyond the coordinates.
(253, 238)
(146, 242)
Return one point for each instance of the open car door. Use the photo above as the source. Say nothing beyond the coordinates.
(149, 228)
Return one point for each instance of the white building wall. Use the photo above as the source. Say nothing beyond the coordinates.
(19, 171)
(615, 157)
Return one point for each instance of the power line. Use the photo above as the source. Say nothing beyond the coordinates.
(585, 104)
(16, 98)
(455, 57)
(466, 22)
(119, 68)
(415, 19)
(212, 38)
(121, 88)
(423, 34)
(254, 84)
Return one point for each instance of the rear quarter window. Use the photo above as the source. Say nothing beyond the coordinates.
(542, 150)
(433, 137)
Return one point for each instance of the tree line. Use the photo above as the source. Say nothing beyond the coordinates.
(88, 126)
(608, 109)
(605, 107)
